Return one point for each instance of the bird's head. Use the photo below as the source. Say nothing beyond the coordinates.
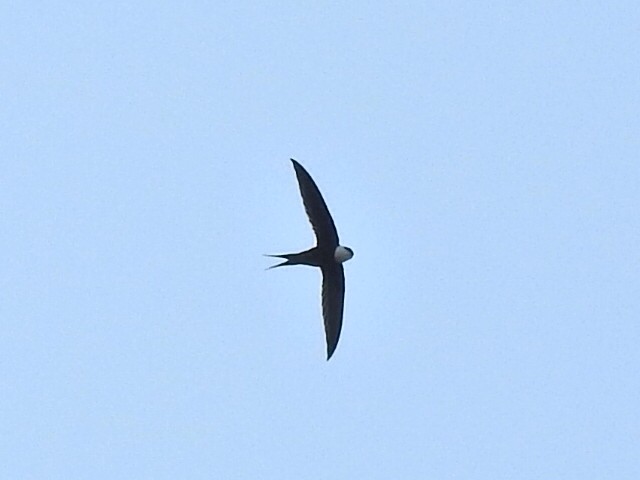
(342, 254)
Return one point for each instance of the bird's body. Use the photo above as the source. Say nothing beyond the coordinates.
(328, 255)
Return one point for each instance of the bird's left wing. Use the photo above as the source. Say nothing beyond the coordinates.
(332, 304)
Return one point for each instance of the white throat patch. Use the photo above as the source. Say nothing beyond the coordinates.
(342, 254)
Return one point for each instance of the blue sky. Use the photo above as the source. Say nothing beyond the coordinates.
(481, 158)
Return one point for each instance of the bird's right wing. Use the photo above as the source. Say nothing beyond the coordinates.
(316, 208)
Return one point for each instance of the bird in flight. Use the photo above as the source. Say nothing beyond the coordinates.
(328, 255)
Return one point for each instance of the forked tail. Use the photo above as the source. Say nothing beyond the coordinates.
(287, 256)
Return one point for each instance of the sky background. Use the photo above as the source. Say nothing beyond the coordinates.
(481, 158)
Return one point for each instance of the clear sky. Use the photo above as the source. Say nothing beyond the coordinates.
(481, 158)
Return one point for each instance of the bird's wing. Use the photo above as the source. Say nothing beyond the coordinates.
(332, 304)
(317, 211)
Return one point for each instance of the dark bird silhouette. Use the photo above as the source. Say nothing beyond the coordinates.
(328, 255)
